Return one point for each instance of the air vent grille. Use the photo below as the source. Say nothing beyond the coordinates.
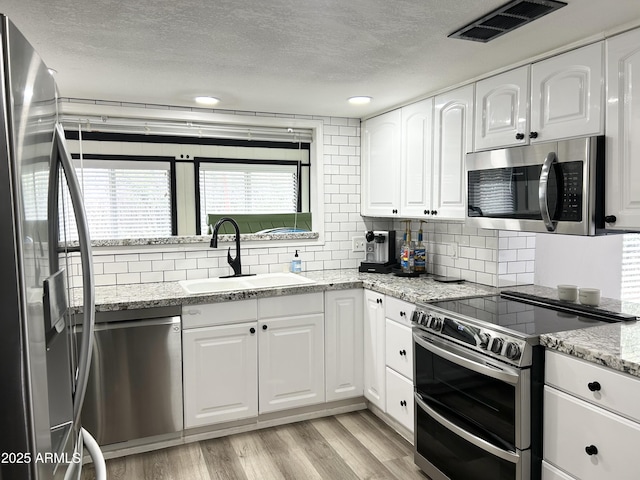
(506, 18)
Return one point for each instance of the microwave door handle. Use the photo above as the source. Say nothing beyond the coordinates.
(543, 191)
(477, 441)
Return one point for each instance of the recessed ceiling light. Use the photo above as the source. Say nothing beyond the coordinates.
(360, 100)
(204, 100)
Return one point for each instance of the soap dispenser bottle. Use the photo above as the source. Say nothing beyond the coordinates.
(296, 263)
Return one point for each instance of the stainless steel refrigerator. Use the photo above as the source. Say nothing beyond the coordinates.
(43, 369)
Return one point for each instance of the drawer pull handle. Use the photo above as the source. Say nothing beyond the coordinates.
(403, 352)
(594, 386)
(591, 450)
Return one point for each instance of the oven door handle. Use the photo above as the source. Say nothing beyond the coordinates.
(468, 361)
(461, 432)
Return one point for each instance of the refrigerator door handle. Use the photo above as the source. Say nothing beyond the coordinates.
(88, 301)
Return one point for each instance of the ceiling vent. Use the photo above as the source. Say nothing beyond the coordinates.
(506, 18)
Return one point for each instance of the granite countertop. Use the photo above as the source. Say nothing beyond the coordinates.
(421, 289)
(616, 345)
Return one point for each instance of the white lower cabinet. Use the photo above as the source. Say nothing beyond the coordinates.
(583, 438)
(344, 357)
(400, 398)
(291, 370)
(291, 346)
(220, 374)
(399, 361)
(374, 348)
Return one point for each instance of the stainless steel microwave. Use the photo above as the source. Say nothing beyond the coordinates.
(554, 187)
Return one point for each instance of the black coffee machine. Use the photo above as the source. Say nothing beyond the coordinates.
(380, 251)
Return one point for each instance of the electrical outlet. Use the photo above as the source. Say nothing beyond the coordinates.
(358, 244)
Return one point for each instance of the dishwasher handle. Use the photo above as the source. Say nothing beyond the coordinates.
(150, 322)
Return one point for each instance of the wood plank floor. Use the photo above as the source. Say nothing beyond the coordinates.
(354, 446)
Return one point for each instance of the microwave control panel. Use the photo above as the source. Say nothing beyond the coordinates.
(571, 186)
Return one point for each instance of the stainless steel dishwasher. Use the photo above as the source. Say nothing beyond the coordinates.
(135, 381)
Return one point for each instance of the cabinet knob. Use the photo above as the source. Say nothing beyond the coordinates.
(403, 403)
(426, 212)
(378, 300)
(533, 135)
(594, 386)
(394, 211)
(591, 450)
(264, 327)
(610, 219)
(434, 212)
(403, 352)
(252, 330)
(403, 314)
(519, 136)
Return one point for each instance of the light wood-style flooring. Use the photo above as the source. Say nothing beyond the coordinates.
(354, 446)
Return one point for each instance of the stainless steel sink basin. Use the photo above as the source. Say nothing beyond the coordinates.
(262, 280)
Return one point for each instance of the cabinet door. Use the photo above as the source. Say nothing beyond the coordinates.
(416, 168)
(453, 130)
(400, 403)
(567, 95)
(550, 472)
(573, 427)
(381, 165)
(374, 348)
(343, 344)
(501, 110)
(623, 124)
(220, 374)
(291, 363)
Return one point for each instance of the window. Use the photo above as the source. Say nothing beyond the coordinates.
(630, 288)
(228, 188)
(124, 199)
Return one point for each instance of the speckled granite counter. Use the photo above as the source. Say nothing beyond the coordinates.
(616, 346)
(414, 290)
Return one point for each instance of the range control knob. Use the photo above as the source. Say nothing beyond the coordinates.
(415, 316)
(436, 323)
(485, 338)
(513, 351)
(496, 346)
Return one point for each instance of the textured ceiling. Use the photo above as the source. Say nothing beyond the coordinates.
(286, 56)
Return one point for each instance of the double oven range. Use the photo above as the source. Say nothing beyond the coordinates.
(479, 375)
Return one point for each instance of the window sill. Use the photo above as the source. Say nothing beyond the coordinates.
(199, 239)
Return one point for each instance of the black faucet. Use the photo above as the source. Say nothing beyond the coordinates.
(234, 262)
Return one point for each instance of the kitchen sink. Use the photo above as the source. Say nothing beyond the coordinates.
(262, 280)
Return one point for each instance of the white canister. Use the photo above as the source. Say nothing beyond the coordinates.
(568, 293)
(589, 296)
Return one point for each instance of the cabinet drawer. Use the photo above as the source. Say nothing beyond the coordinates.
(286, 306)
(549, 472)
(400, 399)
(617, 392)
(399, 352)
(398, 310)
(571, 425)
(211, 314)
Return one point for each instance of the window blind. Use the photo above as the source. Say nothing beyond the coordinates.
(123, 199)
(630, 288)
(234, 188)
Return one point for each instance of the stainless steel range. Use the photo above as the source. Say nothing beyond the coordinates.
(479, 373)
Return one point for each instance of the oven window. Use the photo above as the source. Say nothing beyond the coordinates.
(454, 456)
(471, 400)
(514, 192)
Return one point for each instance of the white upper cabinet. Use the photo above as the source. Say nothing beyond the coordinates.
(381, 165)
(416, 167)
(453, 138)
(502, 110)
(567, 93)
(623, 131)
(561, 97)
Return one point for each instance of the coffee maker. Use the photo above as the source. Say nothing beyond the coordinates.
(380, 252)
